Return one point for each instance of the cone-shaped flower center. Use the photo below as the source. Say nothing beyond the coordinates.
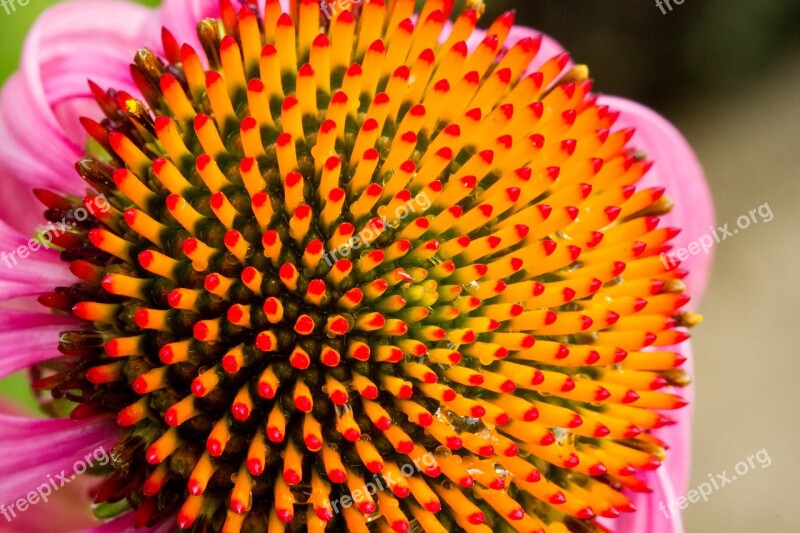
(352, 272)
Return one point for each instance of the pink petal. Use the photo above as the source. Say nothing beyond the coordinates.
(17, 319)
(22, 163)
(676, 168)
(11, 289)
(69, 507)
(39, 106)
(40, 271)
(22, 279)
(22, 348)
(61, 503)
(28, 307)
(31, 450)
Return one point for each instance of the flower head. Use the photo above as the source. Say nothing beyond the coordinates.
(367, 269)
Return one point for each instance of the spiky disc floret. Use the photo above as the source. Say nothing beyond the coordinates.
(355, 253)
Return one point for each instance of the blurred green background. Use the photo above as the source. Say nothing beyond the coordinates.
(727, 72)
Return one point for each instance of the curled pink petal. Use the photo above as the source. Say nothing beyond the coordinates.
(40, 104)
(25, 123)
(34, 271)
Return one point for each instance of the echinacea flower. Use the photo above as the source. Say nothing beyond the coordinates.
(318, 255)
